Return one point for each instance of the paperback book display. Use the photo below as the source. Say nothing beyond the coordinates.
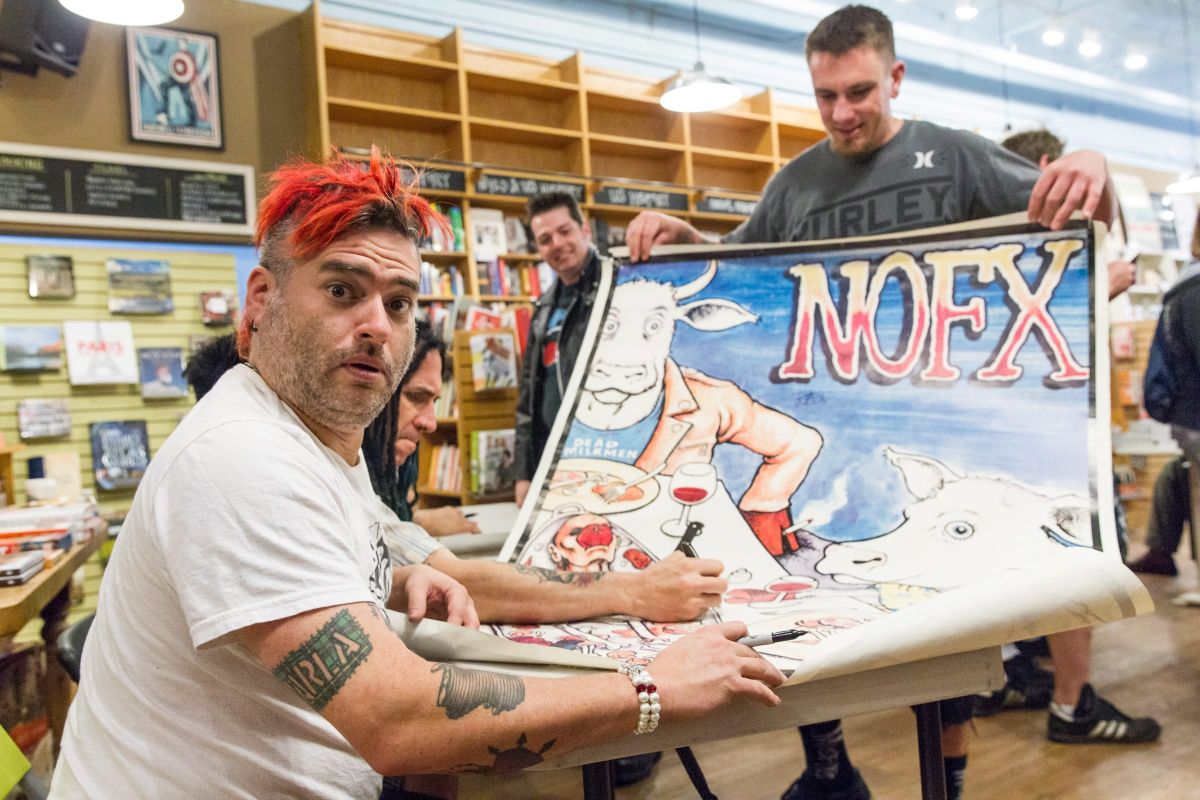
(440, 280)
(50, 277)
(30, 348)
(488, 234)
(120, 453)
(43, 419)
(46, 528)
(100, 352)
(139, 286)
(492, 461)
(162, 372)
(493, 361)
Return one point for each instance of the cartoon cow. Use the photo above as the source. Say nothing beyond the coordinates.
(633, 376)
(960, 529)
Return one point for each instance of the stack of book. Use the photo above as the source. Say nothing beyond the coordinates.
(17, 569)
(48, 527)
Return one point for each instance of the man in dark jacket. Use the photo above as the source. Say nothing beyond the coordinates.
(556, 331)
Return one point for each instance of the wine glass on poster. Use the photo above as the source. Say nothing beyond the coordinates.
(690, 485)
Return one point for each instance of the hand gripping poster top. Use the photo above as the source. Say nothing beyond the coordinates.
(893, 444)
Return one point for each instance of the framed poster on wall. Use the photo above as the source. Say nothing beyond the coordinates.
(174, 87)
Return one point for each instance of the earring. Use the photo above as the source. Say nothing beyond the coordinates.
(253, 328)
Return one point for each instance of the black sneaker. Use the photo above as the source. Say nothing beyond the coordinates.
(806, 787)
(633, 769)
(1027, 686)
(1102, 723)
(1153, 563)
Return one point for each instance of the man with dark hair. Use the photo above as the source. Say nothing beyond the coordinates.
(560, 316)
(212, 360)
(240, 646)
(874, 174)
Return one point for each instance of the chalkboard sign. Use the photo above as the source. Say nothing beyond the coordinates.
(633, 197)
(57, 186)
(521, 186)
(726, 205)
(439, 180)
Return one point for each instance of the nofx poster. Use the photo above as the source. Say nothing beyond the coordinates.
(899, 446)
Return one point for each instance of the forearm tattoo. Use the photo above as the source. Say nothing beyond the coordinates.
(581, 579)
(510, 760)
(320, 667)
(463, 690)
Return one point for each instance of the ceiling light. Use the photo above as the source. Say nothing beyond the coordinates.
(1188, 183)
(127, 12)
(1089, 45)
(965, 10)
(1135, 61)
(1053, 36)
(697, 90)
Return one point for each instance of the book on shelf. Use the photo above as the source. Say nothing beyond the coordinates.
(100, 352)
(50, 277)
(444, 472)
(139, 286)
(58, 540)
(492, 461)
(162, 372)
(487, 233)
(120, 453)
(43, 418)
(440, 280)
(446, 404)
(1123, 342)
(448, 236)
(517, 318)
(493, 361)
(1129, 386)
(31, 348)
(217, 307)
(517, 234)
(481, 319)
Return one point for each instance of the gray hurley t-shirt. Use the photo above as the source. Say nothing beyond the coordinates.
(925, 175)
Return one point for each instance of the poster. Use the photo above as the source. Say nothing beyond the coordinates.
(174, 87)
(892, 445)
(161, 370)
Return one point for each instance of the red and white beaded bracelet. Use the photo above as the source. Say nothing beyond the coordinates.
(649, 706)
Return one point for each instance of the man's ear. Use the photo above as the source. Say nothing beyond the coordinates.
(1044, 161)
(260, 285)
(897, 74)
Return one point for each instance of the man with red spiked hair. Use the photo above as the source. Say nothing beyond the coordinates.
(240, 647)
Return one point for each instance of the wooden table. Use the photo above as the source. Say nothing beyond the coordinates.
(47, 594)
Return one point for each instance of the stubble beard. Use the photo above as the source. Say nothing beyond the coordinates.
(305, 375)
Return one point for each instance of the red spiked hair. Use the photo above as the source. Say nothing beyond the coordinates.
(311, 205)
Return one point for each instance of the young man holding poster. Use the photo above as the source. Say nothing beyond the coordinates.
(875, 174)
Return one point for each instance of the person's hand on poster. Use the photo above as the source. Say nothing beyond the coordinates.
(650, 228)
(444, 521)
(707, 669)
(1075, 182)
(423, 591)
(678, 589)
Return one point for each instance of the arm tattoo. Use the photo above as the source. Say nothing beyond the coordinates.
(320, 667)
(463, 690)
(510, 760)
(581, 579)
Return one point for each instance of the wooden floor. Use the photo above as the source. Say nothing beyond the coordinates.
(1146, 666)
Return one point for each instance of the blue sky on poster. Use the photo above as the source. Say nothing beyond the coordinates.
(1024, 430)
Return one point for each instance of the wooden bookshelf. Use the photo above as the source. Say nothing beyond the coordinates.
(451, 104)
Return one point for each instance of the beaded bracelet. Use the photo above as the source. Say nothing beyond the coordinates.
(649, 706)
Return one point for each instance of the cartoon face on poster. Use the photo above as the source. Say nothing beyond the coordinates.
(174, 87)
(850, 428)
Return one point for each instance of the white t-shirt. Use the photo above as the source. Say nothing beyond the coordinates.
(243, 517)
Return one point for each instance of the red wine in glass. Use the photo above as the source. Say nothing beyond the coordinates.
(690, 484)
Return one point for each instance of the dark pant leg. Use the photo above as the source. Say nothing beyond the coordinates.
(1171, 505)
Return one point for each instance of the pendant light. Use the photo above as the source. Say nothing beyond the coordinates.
(697, 90)
(126, 12)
